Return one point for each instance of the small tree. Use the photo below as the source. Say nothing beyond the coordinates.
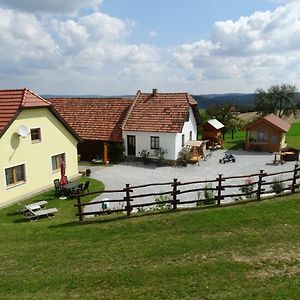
(278, 99)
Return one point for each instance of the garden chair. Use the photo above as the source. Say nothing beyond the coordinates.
(85, 186)
(33, 206)
(57, 186)
(35, 215)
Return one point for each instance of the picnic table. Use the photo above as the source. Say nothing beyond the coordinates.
(71, 187)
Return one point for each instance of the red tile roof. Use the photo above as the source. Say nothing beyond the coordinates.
(12, 101)
(94, 118)
(273, 120)
(160, 112)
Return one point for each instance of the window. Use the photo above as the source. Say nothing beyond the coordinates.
(191, 135)
(154, 142)
(261, 136)
(56, 161)
(15, 175)
(182, 140)
(187, 118)
(35, 134)
(274, 139)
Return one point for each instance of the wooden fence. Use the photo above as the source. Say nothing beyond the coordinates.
(218, 188)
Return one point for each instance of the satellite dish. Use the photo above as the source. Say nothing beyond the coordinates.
(23, 131)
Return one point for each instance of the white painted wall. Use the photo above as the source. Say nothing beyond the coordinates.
(187, 127)
(169, 141)
(142, 140)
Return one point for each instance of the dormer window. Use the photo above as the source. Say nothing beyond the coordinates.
(35, 134)
(187, 118)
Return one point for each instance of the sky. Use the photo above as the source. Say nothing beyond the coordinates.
(116, 47)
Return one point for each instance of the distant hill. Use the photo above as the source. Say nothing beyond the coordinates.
(235, 98)
(245, 101)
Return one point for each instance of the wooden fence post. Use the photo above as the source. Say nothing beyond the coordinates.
(127, 199)
(175, 194)
(219, 187)
(295, 177)
(260, 176)
(79, 207)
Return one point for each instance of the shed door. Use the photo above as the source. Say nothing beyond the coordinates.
(131, 145)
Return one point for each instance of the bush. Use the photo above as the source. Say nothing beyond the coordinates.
(144, 154)
(160, 155)
(277, 185)
(248, 187)
(183, 156)
(160, 205)
(208, 194)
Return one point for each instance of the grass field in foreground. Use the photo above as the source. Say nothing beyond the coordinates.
(249, 251)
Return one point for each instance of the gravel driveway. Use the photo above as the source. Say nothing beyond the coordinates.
(135, 173)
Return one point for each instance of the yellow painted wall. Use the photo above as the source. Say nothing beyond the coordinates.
(16, 150)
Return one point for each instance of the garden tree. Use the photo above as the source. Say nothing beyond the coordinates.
(278, 99)
(226, 114)
(234, 125)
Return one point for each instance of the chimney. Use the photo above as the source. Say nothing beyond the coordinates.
(154, 92)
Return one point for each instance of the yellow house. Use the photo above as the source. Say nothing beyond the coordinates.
(34, 140)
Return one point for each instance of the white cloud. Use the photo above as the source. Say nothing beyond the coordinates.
(153, 33)
(259, 49)
(51, 6)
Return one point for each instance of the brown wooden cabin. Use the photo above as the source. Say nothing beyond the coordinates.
(211, 131)
(266, 134)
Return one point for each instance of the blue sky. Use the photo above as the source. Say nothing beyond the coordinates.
(115, 47)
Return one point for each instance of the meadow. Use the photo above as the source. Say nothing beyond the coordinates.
(249, 251)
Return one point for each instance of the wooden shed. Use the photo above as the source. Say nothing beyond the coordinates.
(211, 131)
(266, 134)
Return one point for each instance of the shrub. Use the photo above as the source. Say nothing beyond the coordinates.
(161, 198)
(277, 185)
(183, 156)
(208, 194)
(248, 187)
(144, 154)
(160, 155)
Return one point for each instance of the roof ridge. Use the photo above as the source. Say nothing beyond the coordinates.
(38, 96)
(138, 93)
(23, 100)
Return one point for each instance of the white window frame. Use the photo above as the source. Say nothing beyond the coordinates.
(54, 155)
(156, 141)
(40, 139)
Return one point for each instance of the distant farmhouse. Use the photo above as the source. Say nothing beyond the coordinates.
(148, 122)
(34, 140)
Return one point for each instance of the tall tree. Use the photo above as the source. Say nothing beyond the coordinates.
(278, 99)
(226, 114)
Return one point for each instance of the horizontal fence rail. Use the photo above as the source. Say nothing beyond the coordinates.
(214, 191)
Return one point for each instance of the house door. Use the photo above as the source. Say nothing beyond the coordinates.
(131, 145)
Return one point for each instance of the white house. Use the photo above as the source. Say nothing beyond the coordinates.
(160, 120)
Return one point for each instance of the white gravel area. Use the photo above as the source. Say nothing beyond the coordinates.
(136, 173)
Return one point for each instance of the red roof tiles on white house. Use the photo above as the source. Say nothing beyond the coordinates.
(160, 112)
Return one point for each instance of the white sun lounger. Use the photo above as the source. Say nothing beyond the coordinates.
(35, 215)
(33, 206)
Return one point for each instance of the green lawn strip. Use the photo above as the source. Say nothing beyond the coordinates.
(241, 252)
(66, 209)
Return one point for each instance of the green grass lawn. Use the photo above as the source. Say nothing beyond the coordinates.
(293, 136)
(249, 251)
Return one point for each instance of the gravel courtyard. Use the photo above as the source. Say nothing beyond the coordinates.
(135, 173)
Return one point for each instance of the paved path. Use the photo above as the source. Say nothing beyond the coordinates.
(135, 173)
